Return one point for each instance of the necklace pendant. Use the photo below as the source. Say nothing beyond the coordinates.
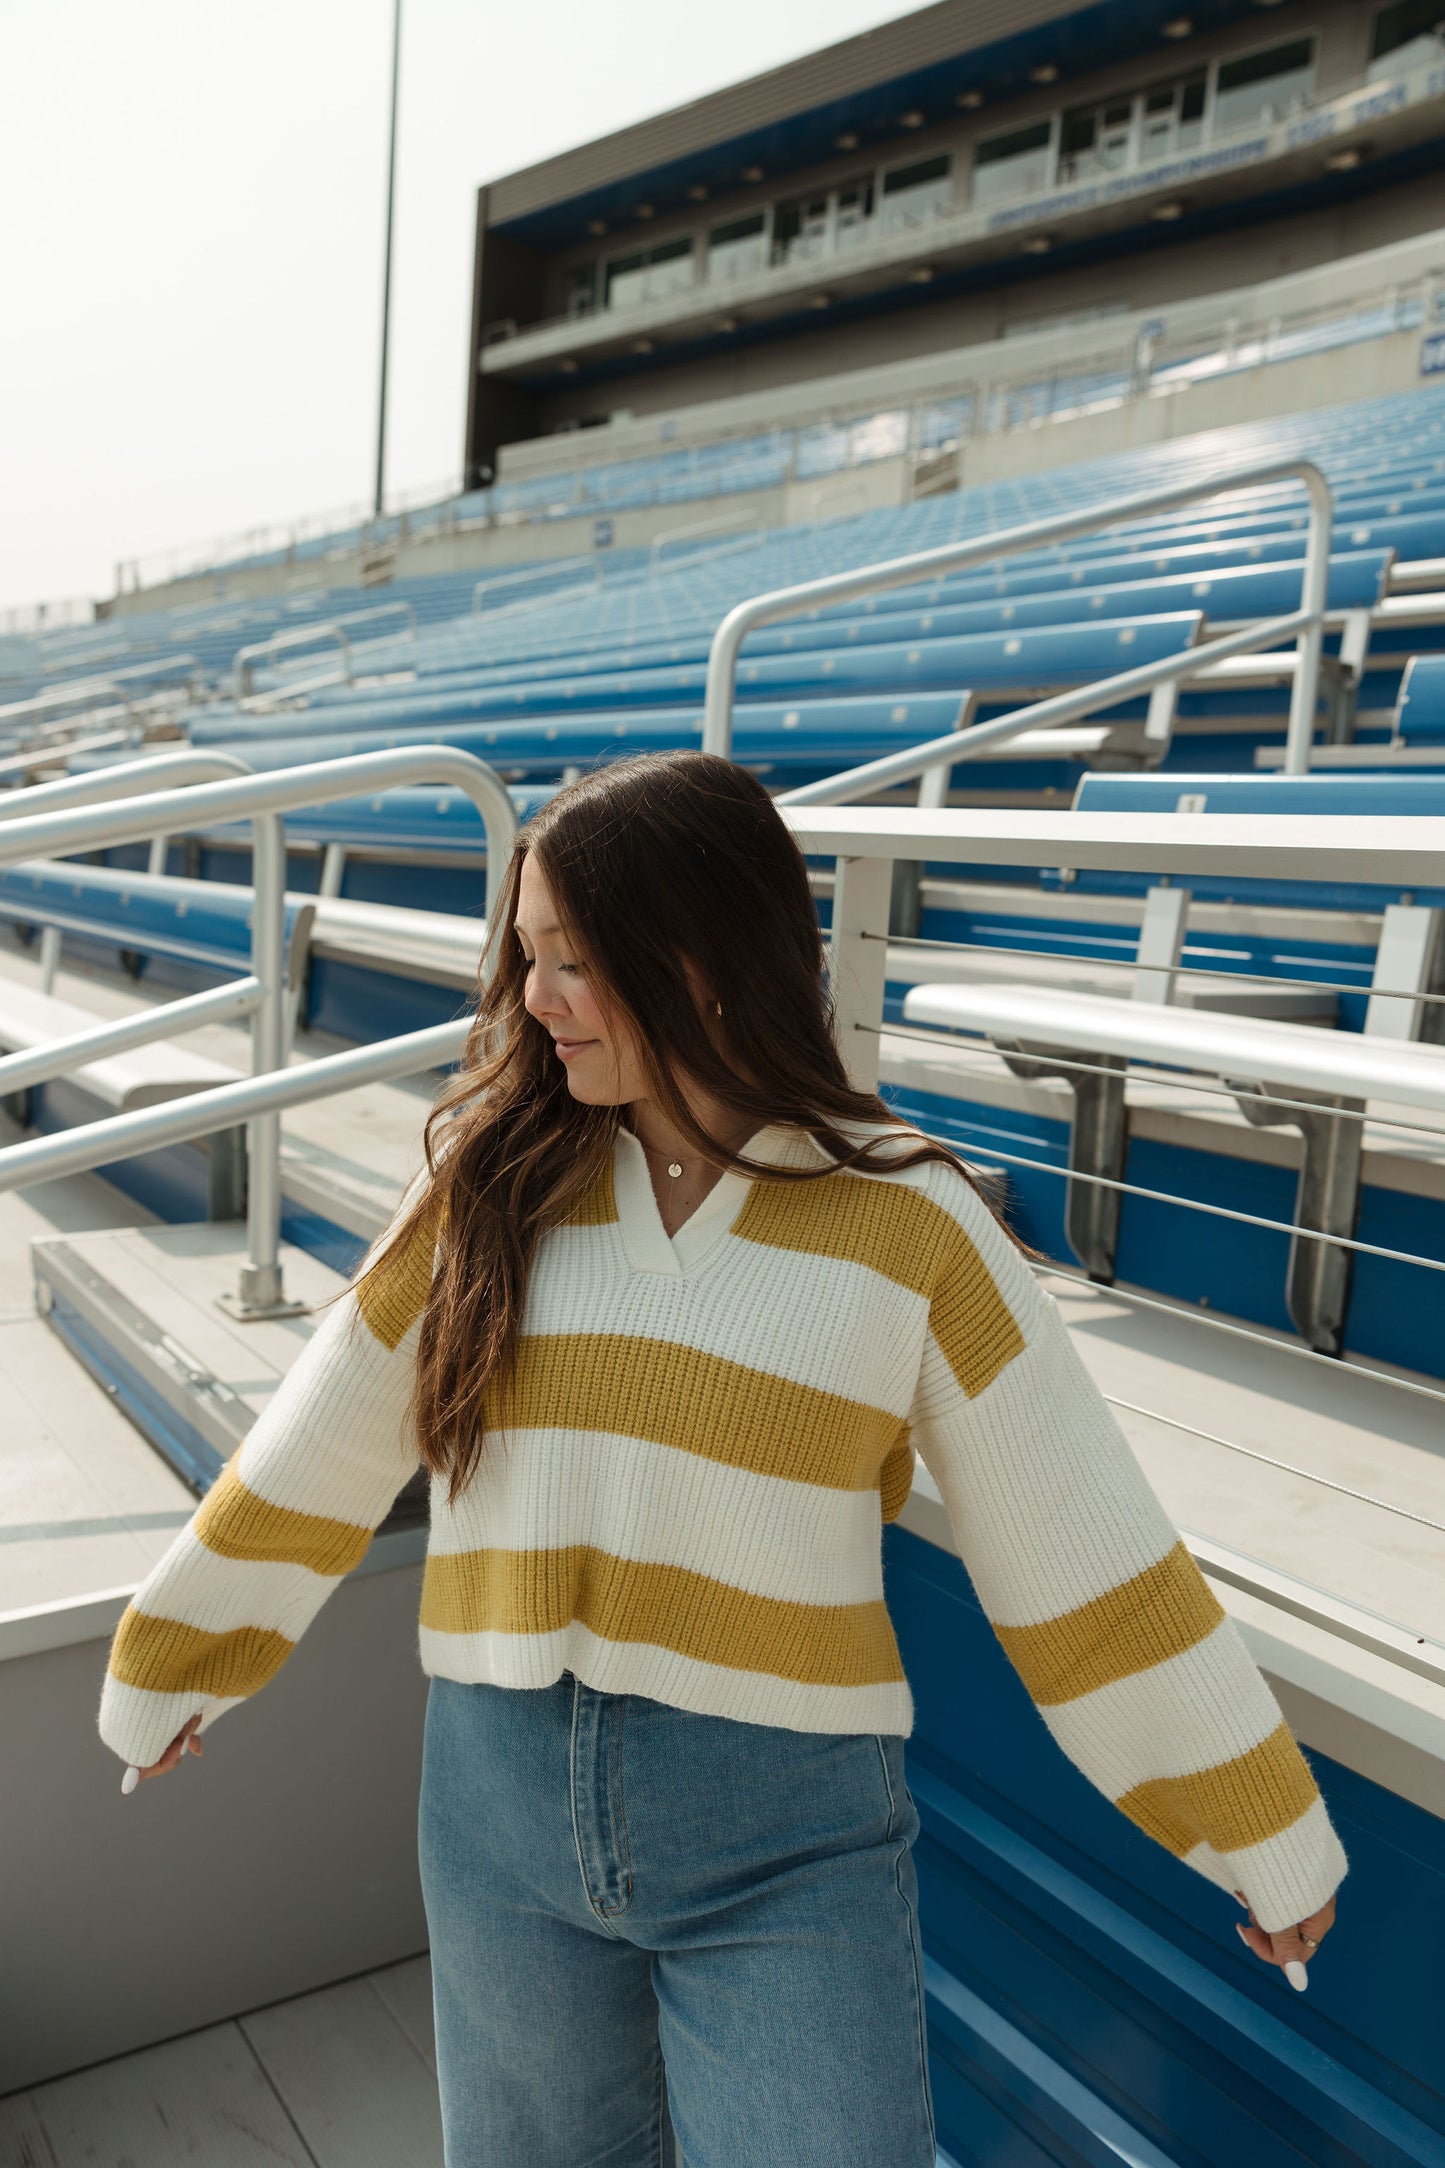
(674, 1168)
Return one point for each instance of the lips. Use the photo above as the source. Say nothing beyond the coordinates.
(566, 1048)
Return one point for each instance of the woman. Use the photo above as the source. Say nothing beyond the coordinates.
(666, 1318)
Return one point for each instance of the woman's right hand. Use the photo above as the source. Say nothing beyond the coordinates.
(185, 1742)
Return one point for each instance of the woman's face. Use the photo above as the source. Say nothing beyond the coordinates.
(600, 1055)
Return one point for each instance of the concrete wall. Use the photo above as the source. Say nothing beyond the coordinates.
(283, 1858)
(1287, 387)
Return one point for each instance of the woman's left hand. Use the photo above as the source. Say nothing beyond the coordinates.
(1284, 1946)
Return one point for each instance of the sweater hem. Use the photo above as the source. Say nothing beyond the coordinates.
(684, 1682)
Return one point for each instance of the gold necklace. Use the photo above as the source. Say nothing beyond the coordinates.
(674, 1166)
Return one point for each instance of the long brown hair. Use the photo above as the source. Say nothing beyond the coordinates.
(652, 862)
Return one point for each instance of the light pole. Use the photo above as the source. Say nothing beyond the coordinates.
(386, 273)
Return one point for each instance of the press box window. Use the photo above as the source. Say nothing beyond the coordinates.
(1408, 35)
(913, 193)
(1014, 164)
(579, 292)
(651, 275)
(740, 246)
(1263, 86)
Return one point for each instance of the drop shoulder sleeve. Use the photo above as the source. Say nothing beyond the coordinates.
(290, 1514)
(1141, 1676)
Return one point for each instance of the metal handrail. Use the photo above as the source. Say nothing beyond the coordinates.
(99, 826)
(589, 562)
(297, 636)
(383, 609)
(261, 799)
(168, 1020)
(127, 779)
(68, 695)
(954, 556)
(1397, 851)
(696, 529)
(57, 749)
(964, 743)
(224, 1106)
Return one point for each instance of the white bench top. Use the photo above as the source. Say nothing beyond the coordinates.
(1246, 1047)
(1231, 992)
(144, 1077)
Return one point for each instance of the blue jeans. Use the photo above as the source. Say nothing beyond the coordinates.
(614, 1886)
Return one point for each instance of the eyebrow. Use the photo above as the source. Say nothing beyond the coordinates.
(518, 927)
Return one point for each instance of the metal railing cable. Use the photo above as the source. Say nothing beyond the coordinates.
(1307, 623)
(1187, 968)
(1220, 1211)
(1296, 1349)
(1214, 1211)
(1144, 1073)
(1293, 1348)
(1250, 1452)
(1217, 1211)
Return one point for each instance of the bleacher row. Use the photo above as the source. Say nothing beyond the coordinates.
(552, 675)
(816, 451)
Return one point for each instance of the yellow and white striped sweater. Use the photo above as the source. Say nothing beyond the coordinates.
(700, 1440)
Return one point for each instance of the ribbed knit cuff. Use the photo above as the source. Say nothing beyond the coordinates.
(139, 1725)
(1288, 1877)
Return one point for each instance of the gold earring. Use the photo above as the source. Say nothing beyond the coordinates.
(719, 1008)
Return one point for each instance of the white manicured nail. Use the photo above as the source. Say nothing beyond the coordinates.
(130, 1780)
(1295, 1973)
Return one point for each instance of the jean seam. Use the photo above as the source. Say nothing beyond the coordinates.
(576, 1825)
(614, 1910)
(920, 2002)
(662, 2161)
(887, 1781)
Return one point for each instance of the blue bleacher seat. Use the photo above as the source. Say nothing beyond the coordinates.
(1420, 719)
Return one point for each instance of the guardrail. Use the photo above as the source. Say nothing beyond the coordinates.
(548, 568)
(1305, 624)
(299, 636)
(698, 529)
(1394, 853)
(337, 628)
(66, 825)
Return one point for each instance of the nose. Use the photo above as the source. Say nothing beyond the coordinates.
(541, 997)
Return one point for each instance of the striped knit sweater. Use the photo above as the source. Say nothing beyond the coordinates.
(682, 1489)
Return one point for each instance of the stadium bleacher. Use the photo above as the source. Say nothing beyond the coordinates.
(1216, 1092)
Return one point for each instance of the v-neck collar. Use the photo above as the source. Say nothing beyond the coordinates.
(648, 1244)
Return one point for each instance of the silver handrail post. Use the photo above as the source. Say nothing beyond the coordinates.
(717, 729)
(260, 1290)
(1314, 593)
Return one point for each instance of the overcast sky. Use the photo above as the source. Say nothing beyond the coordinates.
(191, 216)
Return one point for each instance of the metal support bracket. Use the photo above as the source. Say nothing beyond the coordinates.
(1161, 943)
(1327, 1202)
(1098, 1146)
(259, 1295)
(1340, 698)
(1409, 963)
